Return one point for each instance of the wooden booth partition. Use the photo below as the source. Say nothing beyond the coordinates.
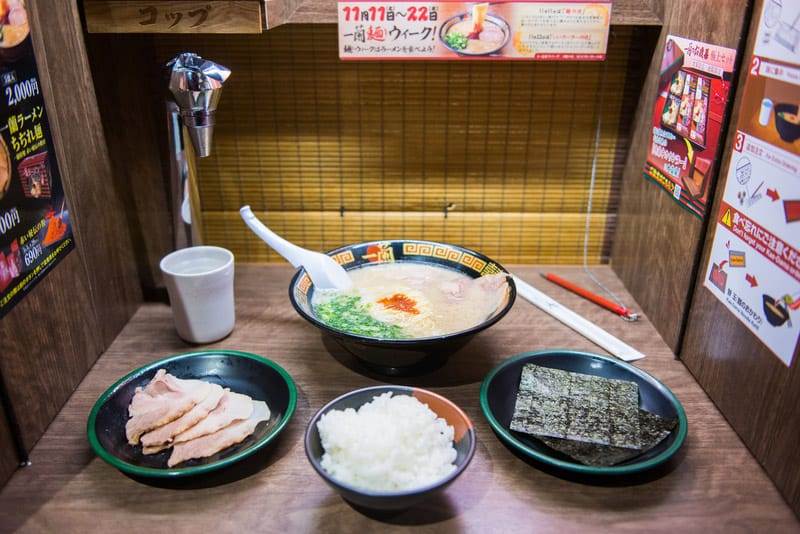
(9, 458)
(54, 335)
(127, 74)
(756, 392)
(657, 244)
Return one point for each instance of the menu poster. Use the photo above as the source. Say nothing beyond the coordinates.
(543, 30)
(687, 119)
(35, 231)
(754, 268)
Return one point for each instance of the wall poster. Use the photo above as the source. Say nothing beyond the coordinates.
(687, 118)
(35, 230)
(542, 30)
(754, 268)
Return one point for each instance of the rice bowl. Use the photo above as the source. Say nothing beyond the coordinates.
(388, 444)
(463, 441)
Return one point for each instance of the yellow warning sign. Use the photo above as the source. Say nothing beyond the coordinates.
(726, 218)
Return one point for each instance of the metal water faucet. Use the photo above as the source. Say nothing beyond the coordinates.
(196, 86)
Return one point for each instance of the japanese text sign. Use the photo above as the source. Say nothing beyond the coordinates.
(175, 16)
(525, 30)
(35, 226)
(754, 263)
(687, 119)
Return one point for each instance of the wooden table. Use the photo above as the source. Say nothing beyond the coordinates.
(716, 484)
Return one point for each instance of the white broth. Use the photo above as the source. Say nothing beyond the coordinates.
(406, 300)
(488, 40)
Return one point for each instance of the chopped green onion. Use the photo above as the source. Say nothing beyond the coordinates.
(456, 41)
(349, 314)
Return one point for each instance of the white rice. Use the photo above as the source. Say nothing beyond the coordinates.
(390, 444)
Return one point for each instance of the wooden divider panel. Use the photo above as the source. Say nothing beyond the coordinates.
(756, 392)
(657, 243)
(9, 460)
(54, 335)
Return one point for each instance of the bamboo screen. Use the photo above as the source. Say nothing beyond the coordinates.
(495, 156)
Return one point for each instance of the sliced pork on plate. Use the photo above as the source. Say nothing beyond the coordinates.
(211, 444)
(197, 418)
(161, 437)
(163, 400)
(232, 407)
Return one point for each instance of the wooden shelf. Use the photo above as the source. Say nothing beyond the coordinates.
(256, 16)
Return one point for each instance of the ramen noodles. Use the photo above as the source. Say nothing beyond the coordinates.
(407, 300)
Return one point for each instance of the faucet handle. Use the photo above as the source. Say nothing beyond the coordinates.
(190, 72)
(196, 85)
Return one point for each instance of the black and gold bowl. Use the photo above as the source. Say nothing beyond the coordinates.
(787, 130)
(402, 356)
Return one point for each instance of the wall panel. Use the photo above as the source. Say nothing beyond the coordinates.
(755, 391)
(657, 243)
(54, 335)
(8, 451)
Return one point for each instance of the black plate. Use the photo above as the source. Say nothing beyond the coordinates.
(499, 394)
(242, 372)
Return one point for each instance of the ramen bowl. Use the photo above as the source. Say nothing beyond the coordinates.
(787, 130)
(496, 24)
(402, 356)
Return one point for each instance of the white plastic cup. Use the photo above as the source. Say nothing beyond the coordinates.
(765, 112)
(200, 285)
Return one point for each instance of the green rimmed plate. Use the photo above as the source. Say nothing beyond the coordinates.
(499, 392)
(242, 372)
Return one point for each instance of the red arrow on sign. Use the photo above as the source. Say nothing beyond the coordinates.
(773, 194)
(751, 280)
(722, 264)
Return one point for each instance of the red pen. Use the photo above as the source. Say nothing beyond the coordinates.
(622, 311)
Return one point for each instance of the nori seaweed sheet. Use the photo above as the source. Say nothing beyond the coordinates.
(585, 408)
(521, 411)
(653, 429)
(623, 411)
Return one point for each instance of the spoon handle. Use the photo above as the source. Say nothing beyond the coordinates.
(291, 252)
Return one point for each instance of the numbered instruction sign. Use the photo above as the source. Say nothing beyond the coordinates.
(754, 268)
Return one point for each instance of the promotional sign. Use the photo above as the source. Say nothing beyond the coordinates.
(35, 229)
(533, 30)
(687, 118)
(754, 268)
